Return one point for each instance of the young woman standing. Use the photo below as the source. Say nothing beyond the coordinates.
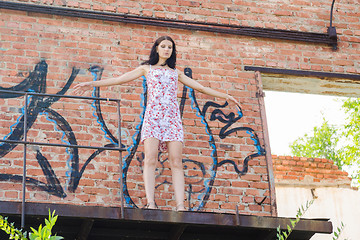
(162, 127)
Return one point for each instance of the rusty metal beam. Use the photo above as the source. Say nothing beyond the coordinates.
(304, 73)
(270, 171)
(319, 38)
(205, 219)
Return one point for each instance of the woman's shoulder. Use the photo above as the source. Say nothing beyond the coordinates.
(144, 67)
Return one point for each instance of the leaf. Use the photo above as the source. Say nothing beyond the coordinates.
(56, 238)
(44, 233)
(53, 214)
(32, 236)
(53, 220)
(293, 223)
(47, 222)
(34, 232)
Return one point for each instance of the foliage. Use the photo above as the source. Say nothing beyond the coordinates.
(322, 144)
(283, 235)
(351, 132)
(338, 231)
(11, 230)
(338, 143)
(43, 233)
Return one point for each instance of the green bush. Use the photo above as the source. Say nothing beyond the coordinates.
(43, 233)
(11, 230)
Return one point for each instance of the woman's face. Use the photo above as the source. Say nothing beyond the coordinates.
(165, 49)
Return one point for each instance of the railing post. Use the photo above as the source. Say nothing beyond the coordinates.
(24, 164)
(120, 161)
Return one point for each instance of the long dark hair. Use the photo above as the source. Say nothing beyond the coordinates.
(154, 56)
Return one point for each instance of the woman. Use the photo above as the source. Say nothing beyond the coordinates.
(162, 128)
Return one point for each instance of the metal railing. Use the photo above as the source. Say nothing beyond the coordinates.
(25, 142)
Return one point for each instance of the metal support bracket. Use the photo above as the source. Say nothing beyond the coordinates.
(332, 30)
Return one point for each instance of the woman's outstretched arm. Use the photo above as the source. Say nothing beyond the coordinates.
(127, 77)
(198, 87)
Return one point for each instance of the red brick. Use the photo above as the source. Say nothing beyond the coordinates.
(12, 194)
(252, 192)
(257, 208)
(259, 185)
(228, 206)
(247, 199)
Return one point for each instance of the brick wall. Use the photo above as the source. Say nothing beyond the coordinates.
(315, 170)
(291, 15)
(214, 161)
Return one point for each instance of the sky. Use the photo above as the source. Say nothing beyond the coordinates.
(291, 115)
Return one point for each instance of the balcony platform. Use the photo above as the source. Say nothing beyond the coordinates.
(99, 223)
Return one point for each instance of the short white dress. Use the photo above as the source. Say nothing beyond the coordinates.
(162, 118)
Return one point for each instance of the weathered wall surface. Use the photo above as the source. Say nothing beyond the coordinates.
(224, 156)
(301, 179)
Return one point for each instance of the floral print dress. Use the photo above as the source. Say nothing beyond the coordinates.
(162, 118)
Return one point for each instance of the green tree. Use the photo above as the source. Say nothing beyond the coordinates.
(338, 143)
(351, 133)
(322, 143)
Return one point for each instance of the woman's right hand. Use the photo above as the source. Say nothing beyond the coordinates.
(81, 88)
(232, 99)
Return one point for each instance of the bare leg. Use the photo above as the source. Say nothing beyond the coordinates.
(177, 170)
(151, 146)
